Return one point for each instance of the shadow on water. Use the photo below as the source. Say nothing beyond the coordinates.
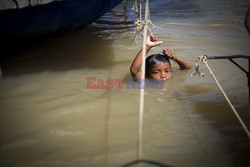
(81, 49)
(214, 111)
(227, 130)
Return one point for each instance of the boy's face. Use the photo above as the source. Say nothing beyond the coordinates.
(161, 71)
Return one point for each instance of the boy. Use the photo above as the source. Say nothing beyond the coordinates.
(157, 66)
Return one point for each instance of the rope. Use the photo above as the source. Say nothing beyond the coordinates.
(139, 26)
(142, 24)
(203, 59)
(139, 23)
(199, 59)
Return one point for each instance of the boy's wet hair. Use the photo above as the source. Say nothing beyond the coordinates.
(155, 59)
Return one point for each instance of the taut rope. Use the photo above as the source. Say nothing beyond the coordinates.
(203, 59)
(145, 25)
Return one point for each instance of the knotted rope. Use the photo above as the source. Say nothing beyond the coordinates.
(198, 60)
(203, 59)
(139, 23)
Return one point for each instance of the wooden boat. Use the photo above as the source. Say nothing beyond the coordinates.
(25, 19)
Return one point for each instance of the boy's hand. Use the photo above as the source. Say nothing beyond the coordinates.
(152, 41)
(169, 53)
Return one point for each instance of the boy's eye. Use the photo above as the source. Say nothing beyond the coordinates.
(155, 72)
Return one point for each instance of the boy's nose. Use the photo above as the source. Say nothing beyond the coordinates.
(163, 75)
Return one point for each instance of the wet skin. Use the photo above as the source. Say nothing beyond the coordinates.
(161, 71)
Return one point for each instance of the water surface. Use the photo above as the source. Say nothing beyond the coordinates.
(49, 118)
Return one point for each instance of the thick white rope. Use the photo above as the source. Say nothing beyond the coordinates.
(139, 23)
(203, 59)
(143, 79)
(139, 26)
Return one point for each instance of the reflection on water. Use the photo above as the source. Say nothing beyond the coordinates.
(49, 118)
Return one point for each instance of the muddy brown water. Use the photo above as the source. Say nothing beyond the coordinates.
(48, 117)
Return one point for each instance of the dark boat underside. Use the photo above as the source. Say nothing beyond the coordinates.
(52, 19)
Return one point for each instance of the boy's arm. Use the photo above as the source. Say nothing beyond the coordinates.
(136, 65)
(180, 61)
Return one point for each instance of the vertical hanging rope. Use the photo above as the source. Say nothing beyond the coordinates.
(145, 24)
(139, 23)
(139, 26)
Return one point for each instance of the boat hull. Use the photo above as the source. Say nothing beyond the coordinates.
(52, 19)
